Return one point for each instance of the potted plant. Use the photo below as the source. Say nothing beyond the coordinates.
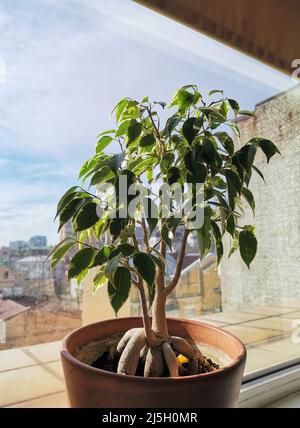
(196, 181)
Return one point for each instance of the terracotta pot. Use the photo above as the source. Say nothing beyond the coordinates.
(91, 387)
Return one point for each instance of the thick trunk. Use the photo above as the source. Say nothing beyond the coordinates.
(159, 322)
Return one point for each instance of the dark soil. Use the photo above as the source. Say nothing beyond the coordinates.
(105, 362)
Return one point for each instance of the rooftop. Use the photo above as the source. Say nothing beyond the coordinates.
(9, 308)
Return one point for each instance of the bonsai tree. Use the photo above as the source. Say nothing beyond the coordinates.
(195, 144)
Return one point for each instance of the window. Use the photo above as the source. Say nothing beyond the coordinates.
(51, 108)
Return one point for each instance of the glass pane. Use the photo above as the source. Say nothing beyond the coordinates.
(63, 66)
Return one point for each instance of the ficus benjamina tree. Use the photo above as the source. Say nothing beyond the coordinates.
(198, 142)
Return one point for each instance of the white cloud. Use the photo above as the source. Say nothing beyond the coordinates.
(67, 63)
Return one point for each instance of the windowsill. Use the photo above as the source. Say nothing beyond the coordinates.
(32, 376)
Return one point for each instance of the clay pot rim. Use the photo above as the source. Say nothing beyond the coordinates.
(218, 373)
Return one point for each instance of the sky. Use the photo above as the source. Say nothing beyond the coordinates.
(63, 66)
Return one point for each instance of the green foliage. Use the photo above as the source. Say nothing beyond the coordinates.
(198, 142)
(80, 261)
(247, 244)
(118, 290)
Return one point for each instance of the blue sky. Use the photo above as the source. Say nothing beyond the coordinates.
(67, 62)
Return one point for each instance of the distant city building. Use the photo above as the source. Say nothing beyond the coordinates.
(38, 241)
(34, 275)
(8, 286)
(18, 245)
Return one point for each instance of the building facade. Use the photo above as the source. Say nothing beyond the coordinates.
(274, 275)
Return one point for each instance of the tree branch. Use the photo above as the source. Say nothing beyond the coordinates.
(160, 278)
(150, 337)
(145, 233)
(179, 263)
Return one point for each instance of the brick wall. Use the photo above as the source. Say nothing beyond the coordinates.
(275, 272)
(36, 326)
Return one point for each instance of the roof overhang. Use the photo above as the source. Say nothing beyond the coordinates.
(268, 30)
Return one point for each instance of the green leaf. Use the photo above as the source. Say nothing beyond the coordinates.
(104, 174)
(234, 105)
(165, 235)
(147, 140)
(189, 130)
(66, 198)
(184, 100)
(159, 262)
(204, 243)
(81, 276)
(173, 175)
(259, 173)
(197, 169)
(209, 150)
(234, 186)
(125, 250)
(151, 214)
(122, 129)
(247, 155)
(249, 198)
(161, 103)
(230, 224)
(117, 225)
(119, 108)
(112, 265)
(166, 162)
(99, 279)
(101, 256)
(134, 131)
(218, 241)
(87, 166)
(80, 262)
(226, 141)
(234, 178)
(145, 266)
(234, 244)
(248, 245)
(203, 234)
(247, 113)
(69, 211)
(215, 91)
(171, 123)
(109, 131)
(235, 129)
(119, 290)
(268, 148)
(86, 217)
(60, 253)
(103, 143)
(224, 109)
(116, 161)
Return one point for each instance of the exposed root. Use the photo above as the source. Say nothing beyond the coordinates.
(137, 357)
(170, 359)
(154, 365)
(129, 359)
(191, 351)
(143, 353)
(125, 339)
(182, 346)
